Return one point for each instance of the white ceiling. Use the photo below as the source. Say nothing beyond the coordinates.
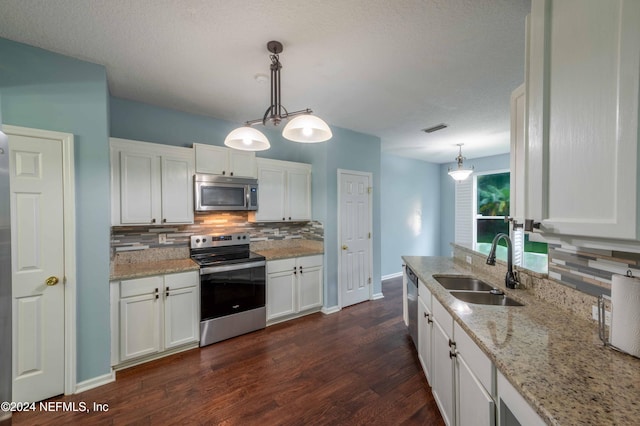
(383, 67)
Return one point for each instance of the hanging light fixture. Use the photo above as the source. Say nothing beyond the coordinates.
(303, 127)
(460, 173)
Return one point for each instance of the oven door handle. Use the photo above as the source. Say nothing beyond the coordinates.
(234, 267)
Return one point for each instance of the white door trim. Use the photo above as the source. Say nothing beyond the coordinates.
(339, 246)
(69, 218)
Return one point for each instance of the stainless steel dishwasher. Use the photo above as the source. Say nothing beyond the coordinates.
(412, 305)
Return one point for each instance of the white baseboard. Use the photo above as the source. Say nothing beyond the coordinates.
(376, 296)
(390, 276)
(95, 382)
(330, 310)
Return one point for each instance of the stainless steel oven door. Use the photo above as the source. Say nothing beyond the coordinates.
(232, 301)
(229, 289)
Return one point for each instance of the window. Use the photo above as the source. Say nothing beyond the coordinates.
(481, 205)
(492, 205)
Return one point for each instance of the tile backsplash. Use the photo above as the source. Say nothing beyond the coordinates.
(130, 238)
(590, 270)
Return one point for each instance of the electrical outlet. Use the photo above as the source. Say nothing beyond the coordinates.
(276, 231)
(469, 261)
(607, 315)
(162, 238)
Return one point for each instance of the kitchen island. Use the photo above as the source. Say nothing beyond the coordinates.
(554, 359)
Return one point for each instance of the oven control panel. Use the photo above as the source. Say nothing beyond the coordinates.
(205, 241)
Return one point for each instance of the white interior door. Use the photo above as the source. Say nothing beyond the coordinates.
(37, 239)
(355, 236)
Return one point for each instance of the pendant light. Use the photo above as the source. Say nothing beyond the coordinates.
(247, 138)
(303, 127)
(460, 173)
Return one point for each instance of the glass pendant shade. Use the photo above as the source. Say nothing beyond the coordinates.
(247, 139)
(307, 128)
(460, 174)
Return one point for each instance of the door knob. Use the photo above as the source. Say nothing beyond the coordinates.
(51, 281)
(345, 247)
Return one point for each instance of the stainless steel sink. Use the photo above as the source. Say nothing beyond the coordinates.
(460, 282)
(485, 298)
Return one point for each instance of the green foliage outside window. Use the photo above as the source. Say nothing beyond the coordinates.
(493, 200)
(493, 194)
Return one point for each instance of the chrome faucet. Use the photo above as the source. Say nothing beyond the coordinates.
(511, 279)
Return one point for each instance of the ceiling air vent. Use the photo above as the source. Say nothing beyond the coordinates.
(435, 128)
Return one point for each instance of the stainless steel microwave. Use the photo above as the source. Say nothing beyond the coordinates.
(216, 193)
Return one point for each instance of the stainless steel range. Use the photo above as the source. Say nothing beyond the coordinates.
(232, 286)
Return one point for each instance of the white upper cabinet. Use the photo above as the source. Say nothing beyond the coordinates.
(518, 154)
(285, 191)
(151, 184)
(218, 160)
(582, 100)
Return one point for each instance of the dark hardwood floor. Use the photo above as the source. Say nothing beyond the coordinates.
(357, 366)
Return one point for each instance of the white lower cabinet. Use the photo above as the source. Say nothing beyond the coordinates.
(139, 314)
(462, 376)
(294, 287)
(442, 383)
(181, 309)
(425, 331)
(154, 314)
(474, 382)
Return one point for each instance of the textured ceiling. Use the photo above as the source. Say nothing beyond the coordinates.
(383, 67)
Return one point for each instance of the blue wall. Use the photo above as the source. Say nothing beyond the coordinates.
(448, 199)
(347, 150)
(44, 90)
(410, 210)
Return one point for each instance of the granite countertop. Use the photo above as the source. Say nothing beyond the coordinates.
(123, 271)
(285, 253)
(284, 249)
(170, 260)
(554, 359)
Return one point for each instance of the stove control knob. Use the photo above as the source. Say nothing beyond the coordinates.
(244, 237)
(197, 240)
(204, 240)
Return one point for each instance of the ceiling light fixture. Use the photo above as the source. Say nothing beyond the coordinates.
(303, 127)
(460, 173)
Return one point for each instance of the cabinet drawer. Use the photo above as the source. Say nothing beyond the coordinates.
(478, 362)
(280, 265)
(424, 294)
(181, 280)
(443, 317)
(310, 261)
(140, 286)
